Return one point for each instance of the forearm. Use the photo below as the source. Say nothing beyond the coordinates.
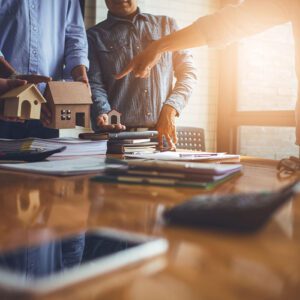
(186, 78)
(185, 38)
(180, 95)
(228, 25)
(76, 47)
(100, 102)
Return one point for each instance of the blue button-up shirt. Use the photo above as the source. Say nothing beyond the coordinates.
(43, 37)
(112, 44)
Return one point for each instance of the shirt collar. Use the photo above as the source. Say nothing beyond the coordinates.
(112, 20)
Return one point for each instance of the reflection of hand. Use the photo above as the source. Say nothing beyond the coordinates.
(102, 123)
(46, 115)
(6, 85)
(166, 127)
(33, 78)
(141, 64)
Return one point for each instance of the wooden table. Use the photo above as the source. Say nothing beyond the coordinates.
(200, 264)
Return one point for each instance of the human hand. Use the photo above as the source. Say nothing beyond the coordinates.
(79, 74)
(32, 78)
(166, 127)
(142, 64)
(9, 84)
(46, 115)
(102, 123)
(6, 69)
(5, 86)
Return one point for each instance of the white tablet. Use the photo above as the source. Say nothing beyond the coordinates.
(50, 266)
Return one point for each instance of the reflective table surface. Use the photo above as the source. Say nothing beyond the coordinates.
(200, 263)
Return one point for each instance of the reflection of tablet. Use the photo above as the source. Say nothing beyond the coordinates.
(53, 265)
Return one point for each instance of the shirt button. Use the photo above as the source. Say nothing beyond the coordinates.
(34, 52)
(137, 47)
(33, 6)
(34, 28)
(148, 114)
(146, 91)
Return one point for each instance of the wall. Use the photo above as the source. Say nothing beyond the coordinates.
(202, 109)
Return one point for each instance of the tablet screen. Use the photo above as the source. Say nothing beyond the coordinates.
(91, 252)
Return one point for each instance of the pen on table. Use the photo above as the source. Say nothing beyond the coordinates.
(197, 154)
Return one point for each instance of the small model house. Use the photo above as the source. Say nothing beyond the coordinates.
(69, 103)
(23, 102)
(114, 117)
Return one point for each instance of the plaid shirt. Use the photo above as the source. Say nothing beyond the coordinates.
(112, 44)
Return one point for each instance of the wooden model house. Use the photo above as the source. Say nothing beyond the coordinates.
(69, 103)
(23, 102)
(114, 117)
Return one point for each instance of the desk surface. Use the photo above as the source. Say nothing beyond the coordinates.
(200, 264)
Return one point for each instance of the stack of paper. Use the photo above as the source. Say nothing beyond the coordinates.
(186, 156)
(77, 166)
(192, 174)
(130, 146)
(132, 142)
(73, 146)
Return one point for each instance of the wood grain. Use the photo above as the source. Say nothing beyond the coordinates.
(200, 264)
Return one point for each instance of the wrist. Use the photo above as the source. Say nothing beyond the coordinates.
(80, 78)
(171, 110)
(161, 45)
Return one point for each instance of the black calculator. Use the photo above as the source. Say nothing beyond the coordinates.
(237, 212)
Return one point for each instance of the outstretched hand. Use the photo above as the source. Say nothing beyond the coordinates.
(102, 123)
(142, 64)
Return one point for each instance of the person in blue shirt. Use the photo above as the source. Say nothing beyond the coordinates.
(144, 103)
(42, 37)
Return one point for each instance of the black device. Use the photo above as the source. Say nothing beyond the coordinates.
(237, 212)
(29, 155)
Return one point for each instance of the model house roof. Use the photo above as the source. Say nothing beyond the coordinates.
(17, 92)
(62, 92)
(115, 112)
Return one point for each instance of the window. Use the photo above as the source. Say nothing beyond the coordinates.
(261, 118)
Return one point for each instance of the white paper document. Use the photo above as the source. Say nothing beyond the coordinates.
(185, 156)
(77, 166)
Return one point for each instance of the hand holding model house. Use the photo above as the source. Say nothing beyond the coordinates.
(22, 100)
(68, 103)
